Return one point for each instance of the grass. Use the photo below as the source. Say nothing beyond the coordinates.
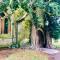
(4, 36)
(3, 40)
(28, 55)
(56, 43)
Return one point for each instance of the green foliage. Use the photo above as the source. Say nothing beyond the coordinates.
(3, 5)
(40, 4)
(36, 12)
(4, 36)
(58, 1)
(55, 27)
(6, 1)
(14, 4)
(53, 19)
(18, 13)
(55, 8)
(24, 5)
(40, 17)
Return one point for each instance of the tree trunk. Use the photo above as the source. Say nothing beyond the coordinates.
(37, 38)
(49, 40)
(33, 36)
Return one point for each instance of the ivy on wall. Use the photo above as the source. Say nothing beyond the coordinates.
(26, 25)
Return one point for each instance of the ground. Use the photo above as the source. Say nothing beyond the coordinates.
(22, 54)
